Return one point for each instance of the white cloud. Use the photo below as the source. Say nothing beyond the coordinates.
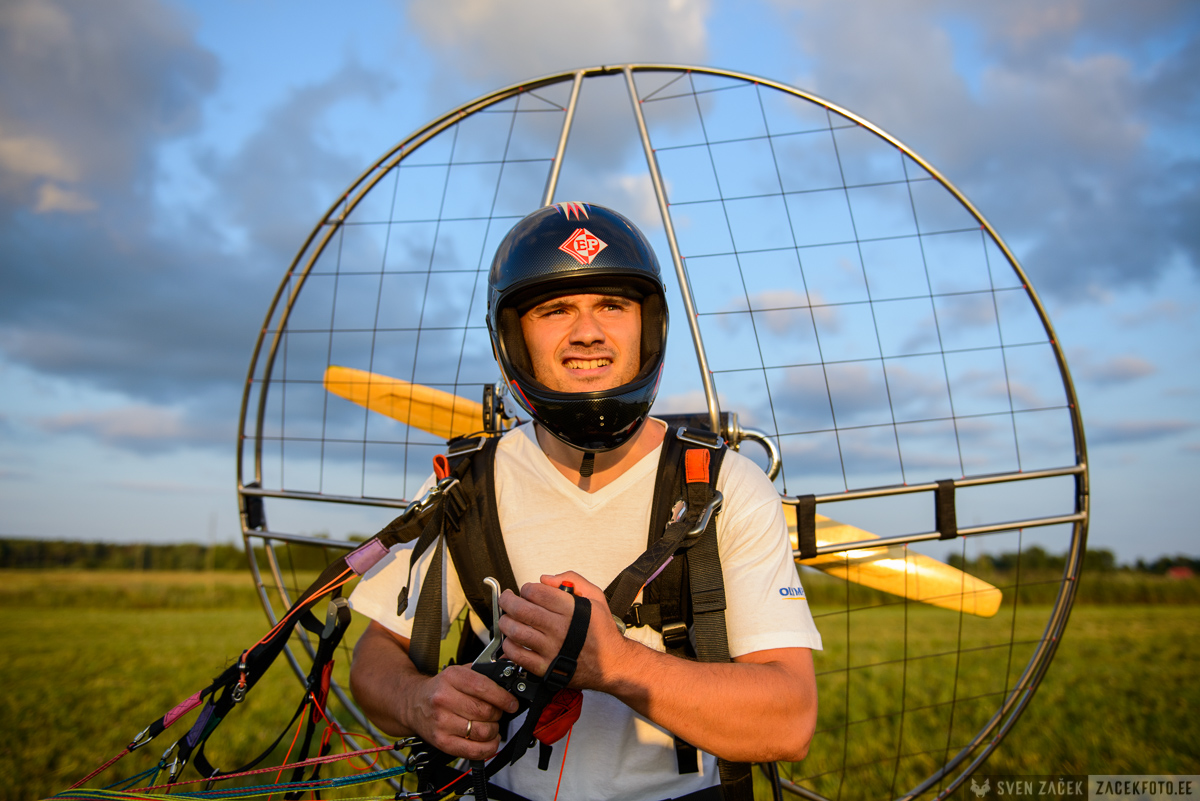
(87, 91)
(1168, 310)
(1135, 431)
(137, 427)
(1062, 122)
(34, 156)
(680, 403)
(51, 197)
(484, 40)
(640, 202)
(136, 422)
(1118, 370)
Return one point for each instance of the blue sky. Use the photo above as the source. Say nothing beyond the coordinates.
(161, 162)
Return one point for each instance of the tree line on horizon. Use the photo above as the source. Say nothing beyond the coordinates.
(1095, 560)
(30, 554)
(33, 554)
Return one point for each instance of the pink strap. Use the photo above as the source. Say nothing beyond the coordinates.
(364, 557)
(185, 707)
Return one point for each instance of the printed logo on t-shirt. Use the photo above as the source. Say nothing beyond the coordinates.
(796, 592)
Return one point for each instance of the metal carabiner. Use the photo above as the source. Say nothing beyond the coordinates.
(426, 500)
(174, 767)
(137, 742)
(712, 508)
(417, 761)
(331, 615)
(238, 694)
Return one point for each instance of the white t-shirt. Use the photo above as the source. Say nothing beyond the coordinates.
(551, 526)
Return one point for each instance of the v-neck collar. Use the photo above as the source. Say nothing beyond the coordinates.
(540, 463)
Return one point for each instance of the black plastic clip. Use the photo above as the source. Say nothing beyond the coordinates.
(252, 508)
(945, 517)
(674, 634)
(806, 525)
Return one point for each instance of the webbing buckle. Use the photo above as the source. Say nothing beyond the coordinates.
(560, 671)
(674, 634)
(704, 438)
(462, 448)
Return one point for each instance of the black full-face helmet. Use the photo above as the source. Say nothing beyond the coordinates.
(566, 249)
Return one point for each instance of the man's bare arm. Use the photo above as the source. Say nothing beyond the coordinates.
(402, 702)
(761, 707)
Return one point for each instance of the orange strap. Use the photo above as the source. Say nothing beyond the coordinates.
(441, 466)
(695, 465)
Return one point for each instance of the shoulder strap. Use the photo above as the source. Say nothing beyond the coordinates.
(476, 544)
(474, 540)
(668, 601)
(472, 535)
(691, 587)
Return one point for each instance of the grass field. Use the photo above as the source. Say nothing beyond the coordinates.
(90, 658)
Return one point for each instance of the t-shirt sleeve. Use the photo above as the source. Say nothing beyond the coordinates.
(378, 591)
(766, 606)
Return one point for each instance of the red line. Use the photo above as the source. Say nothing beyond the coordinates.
(564, 762)
(100, 769)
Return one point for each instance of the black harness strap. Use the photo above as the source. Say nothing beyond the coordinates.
(477, 544)
(467, 522)
(427, 628)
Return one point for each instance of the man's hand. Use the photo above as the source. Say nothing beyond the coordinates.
(535, 625)
(774, 691)
(457, 711)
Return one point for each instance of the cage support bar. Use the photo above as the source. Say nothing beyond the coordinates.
(556, 166)
(926, 536)
(660, 194)
(974, 481)
(293, 495)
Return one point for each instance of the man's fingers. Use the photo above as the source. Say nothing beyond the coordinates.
(473, 695)
(461, 711)
(520, 640)
(581, 585)
(475, 747)
(536, 606)
(473, 738)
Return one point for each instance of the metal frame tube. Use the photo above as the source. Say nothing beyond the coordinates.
(927, 536)
(974, 481)
(316, 496)
(660, 194)
(556, 167)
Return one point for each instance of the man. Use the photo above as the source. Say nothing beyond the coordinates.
(578, 319)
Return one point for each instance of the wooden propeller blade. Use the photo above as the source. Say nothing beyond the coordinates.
(443, 414)
(894, 570)
(890, 569)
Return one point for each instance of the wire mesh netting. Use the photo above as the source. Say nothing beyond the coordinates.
(854, 312)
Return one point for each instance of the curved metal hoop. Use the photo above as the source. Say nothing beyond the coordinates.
(670, 159)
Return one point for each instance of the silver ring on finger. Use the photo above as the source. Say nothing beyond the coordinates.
(470, 723)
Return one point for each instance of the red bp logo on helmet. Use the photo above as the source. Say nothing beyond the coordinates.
(583, 246)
